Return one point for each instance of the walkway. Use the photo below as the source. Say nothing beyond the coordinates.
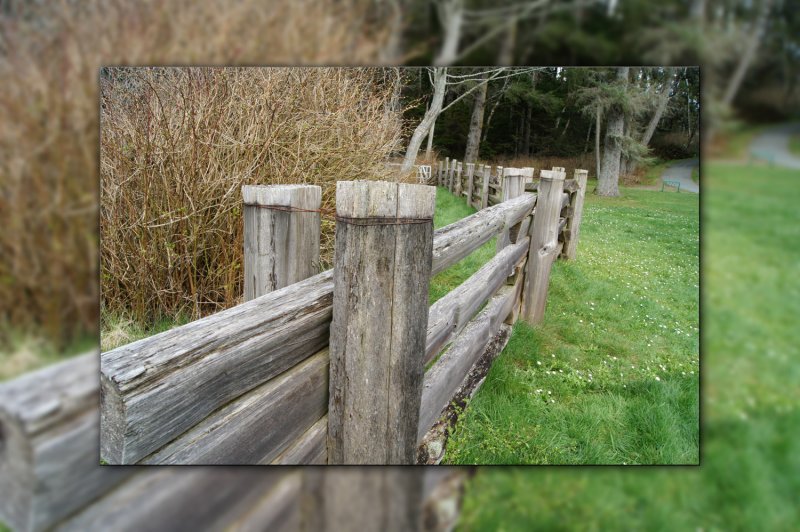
(681, 171)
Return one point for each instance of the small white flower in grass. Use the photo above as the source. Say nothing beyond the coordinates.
(549, 392)
(538, 363)
(553, 356)
(552, 400)
(658, 378)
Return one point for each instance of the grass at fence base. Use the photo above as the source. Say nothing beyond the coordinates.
(750, 473)
(611, 376)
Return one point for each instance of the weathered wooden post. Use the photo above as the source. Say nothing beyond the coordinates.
(487, 172)
(457, 187)
(281, 236)
(570, 249)
(388, 499)
(470, 182)
(513, 183)
(382, 269)
(446, 171)
(544, 245)
(451, 175)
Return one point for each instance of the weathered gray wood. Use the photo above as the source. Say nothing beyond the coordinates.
(278, 510)
(432, 448)
(446, 375)
(457, 240)
(310, 448)
(258, 426)
(280, 247)
(380, 315)
(513, 187)
(575, 216)
(487, 172)
(155, 389)
(562, 223)
(570, 186)
(365, 499)
(446, 171)
(448, 316)
(543, 246)
(564, 201)
(470, 182)
(49, 444)
(178, 499)
(458, 187)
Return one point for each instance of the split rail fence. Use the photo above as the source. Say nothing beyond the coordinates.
(331, 367)
(51, 477)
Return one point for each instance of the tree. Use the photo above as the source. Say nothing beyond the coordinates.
(608, 179)
(476, 125)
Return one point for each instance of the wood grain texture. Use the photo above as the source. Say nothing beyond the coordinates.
(380, 315)
(387, 499)
(280, 247)
(311, 448)
(543, 246)
(455, 241)
(178, 499)
(450, 314)
(446, 375)
(458, 187)
(487, 172)
(277, 510)
(258, 426)
(513, 187)
(155, 389)
(570, 251)
(49, 452)
(470, 182)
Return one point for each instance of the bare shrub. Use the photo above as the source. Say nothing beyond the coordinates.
(50, 53)
(177, 144)
(547, 162)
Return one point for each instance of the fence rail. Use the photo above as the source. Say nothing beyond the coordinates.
(258, 383)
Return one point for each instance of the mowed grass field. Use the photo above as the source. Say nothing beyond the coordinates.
(611, 376)
(750, 473)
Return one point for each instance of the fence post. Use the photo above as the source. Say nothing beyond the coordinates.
(487, 172)
(574, 221)
(470, 182)
(543, 245)
(457, 186)
(382, 269)
(513, 186)
(281, 236)
(446, 171)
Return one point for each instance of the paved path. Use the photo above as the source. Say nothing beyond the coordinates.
(773, 144)
(681, 171)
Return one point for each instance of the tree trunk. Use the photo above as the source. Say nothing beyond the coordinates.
(476, 125)
(588, 136)
(429, 148)
(749, 53)
(451, 15)
(526, 129)
(597, 144)
(662, 106)
(608, 180)
(439, 88)
(506, 54)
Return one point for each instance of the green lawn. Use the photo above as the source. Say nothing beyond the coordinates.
(696, 174)
(794, 145)
(611, 376)
(750, 473)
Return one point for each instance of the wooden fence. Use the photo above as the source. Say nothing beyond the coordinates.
(331, 368)
(51, 477)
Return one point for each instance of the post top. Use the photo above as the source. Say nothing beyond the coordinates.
(366, 199)
(552, 175)
(290, 195)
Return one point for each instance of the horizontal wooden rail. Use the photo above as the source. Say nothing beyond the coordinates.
(570, 186)
(448, 316)
(49, 444)
(457, 240)
(155, 389)
(309, 449)
(258, 426)
(448, 372)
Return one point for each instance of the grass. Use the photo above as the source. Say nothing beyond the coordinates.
(611, 376)
(696, 174)
(794, 145)
(652, 174)
(750, 475)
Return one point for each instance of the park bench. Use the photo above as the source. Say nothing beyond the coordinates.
(670, 183)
